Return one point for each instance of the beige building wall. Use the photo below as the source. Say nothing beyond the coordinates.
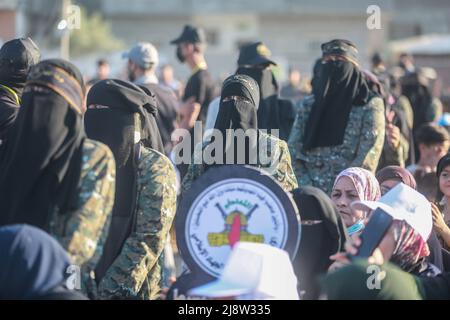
(7, 25)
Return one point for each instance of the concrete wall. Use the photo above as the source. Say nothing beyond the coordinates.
(292, 29)
(7, 25)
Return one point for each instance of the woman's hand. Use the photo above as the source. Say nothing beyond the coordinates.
(438, 220)
(351, 249)
(392, 131)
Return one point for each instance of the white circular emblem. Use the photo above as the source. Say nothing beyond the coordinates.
(230, 211)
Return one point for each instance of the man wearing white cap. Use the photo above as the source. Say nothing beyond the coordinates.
(143, 60)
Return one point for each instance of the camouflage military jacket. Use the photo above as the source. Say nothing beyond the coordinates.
(435, 111)
(137, 272)
(398, 157)
(282, 172)
(362, 145)
(404, 106)
(83, 232)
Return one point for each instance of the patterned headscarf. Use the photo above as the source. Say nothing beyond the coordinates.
(410, 246)
(364, 181)
(396, 173)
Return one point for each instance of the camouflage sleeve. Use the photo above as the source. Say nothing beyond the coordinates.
(296, 137)
(404, 105)
(83, 232)
(85, 228)
(435, 110)
(195, 169)
(285, 173)
(396, 157)
(142, 249)
(372, 138)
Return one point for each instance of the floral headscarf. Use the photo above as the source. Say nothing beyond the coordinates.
(410, 246)
(366, 184)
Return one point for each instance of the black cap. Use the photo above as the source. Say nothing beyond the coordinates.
(342, 48)
(255, 54)
(190, 34)
(19, 54)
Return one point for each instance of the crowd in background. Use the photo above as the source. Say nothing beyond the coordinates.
(88, 175)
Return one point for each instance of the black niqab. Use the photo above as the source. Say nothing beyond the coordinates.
(268, 109)
(118, 113)
(323, 234)
(419, 95)
(238, 114)
(339, 86)
(41, 164)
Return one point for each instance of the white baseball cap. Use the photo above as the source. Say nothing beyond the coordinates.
(144, 54)
(404, 203)
(255, 271)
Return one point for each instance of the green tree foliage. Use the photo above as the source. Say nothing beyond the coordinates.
(94, 35)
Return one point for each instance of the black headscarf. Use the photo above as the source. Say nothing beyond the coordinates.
(17, 56)
(33, 263)
(375, 85)
(268, 113)
(416, 88)
(41, 165)
(238, 114)
(118, 113)
(319, 240)
(151, 127)
(339, 86)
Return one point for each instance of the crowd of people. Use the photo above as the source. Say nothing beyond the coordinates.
(90, 175)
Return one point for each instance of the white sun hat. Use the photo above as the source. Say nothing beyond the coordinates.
(404, 203)
(254, 271)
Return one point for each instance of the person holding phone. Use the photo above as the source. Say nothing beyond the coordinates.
(389, 177)
(404, 243)
(350, 281)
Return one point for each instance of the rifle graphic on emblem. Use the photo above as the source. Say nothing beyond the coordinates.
(236, 224)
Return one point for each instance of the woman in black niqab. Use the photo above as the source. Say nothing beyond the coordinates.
(337, 86)
(323, 234)
(122, 116)
(238, 110)
(41, 164)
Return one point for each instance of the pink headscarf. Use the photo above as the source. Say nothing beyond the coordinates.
(410, 248)
(365, 183)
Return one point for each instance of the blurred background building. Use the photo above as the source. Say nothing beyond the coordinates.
(292, 29)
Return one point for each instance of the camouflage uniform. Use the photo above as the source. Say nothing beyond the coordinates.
(395, 157)
(399, 156)
(283, 172)
(82, 232)
(404, 106)
(137, 272)
(435, 111)
(362, 145)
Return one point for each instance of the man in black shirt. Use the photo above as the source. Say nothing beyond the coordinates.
(142, 62)
(16, 59)
(199, 89)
